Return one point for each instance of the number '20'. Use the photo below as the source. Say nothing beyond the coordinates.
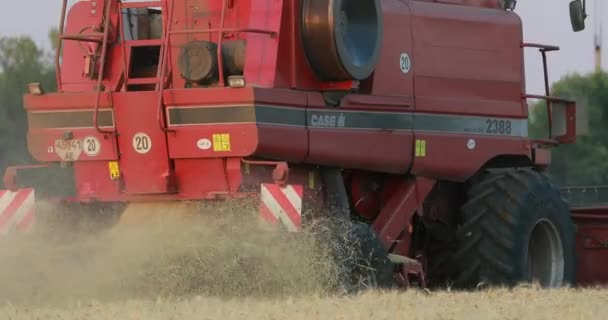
(142, 143)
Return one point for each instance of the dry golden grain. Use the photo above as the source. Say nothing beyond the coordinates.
(218, 264)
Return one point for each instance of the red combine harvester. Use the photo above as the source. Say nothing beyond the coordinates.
(408, 118)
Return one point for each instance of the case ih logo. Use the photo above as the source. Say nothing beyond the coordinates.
(328, 121)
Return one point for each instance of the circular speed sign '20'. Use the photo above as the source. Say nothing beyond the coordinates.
(142, 143)
(91, 146)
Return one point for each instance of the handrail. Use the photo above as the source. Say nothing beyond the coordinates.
(93, 37)
(125, 64)
(547, 98)
(550, 100)
(225, 30)
(220, 37)
(161, 70)
(104, 48)
(59, 46)
(543, 50)
(544, 47)
(141, 4)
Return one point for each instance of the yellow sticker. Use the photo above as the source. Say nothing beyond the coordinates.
(114, 170)
(221, 142)
(420, 148)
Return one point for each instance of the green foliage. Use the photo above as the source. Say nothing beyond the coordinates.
(54, 37)
(21, 62)
(583, 163)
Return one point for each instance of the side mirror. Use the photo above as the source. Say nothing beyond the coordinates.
(577, 15)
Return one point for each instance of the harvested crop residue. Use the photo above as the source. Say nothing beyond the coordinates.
(490, 305)
(164, 250)
(162, 262)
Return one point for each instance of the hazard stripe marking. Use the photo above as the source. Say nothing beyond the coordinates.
(294, 196)
(11, 211)
(6, 200)
(282, 204)
(267, 215)
(16, 211)
(24, 208)
(292, 212)
(277, 211)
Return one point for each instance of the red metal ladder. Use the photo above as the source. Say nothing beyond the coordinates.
(160, 80)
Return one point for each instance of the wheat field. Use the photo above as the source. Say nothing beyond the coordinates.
(220, 265)
(522, 303)
(497, 304)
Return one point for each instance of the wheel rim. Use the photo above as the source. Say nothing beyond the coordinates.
(545, 255)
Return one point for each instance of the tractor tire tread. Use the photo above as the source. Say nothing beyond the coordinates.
(493, 217)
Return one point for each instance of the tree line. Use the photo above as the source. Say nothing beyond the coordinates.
(584, 163)
(21, 62)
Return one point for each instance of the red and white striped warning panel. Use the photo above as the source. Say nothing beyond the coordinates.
(282, 203)
(16, 211)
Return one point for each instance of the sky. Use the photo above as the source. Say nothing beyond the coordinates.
(545, 21)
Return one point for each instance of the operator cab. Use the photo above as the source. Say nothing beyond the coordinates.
(142, 25)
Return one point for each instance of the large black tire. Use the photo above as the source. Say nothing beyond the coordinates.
(512, 218)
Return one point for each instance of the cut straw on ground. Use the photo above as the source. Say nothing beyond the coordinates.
(163, 263)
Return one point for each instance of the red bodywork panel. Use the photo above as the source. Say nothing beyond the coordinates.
(591, 245)
(461, 67)
(144, 157)
(51, 116)
(460, 97)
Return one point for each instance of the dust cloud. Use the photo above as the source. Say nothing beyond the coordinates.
(161, 262)
(163, 251)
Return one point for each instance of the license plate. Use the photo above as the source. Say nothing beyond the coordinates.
(68, 150)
